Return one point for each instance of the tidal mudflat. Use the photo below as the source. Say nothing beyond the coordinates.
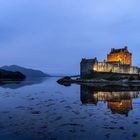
(45, 110)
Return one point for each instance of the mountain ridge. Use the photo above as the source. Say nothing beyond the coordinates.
(28, 72)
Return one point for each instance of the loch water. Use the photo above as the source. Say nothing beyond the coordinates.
(41, 109)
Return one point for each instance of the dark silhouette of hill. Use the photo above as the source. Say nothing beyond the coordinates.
(9, 75)
(29, 73)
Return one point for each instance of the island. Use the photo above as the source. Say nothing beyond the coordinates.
(117, 69)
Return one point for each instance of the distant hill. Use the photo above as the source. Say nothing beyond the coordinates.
(29, 73)
(9, 75)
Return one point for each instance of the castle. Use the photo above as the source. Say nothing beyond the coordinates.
(119, 61)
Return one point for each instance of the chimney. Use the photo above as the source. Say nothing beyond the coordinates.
(112, 49)
(125, 47)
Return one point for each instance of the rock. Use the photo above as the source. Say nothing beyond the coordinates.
(66, 81)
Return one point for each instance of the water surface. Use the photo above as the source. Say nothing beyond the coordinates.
(43, 109)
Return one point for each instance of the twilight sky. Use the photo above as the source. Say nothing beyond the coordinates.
(53, 35)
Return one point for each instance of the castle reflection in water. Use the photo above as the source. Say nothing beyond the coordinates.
(117, 101)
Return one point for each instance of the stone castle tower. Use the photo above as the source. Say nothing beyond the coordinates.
(120, 55)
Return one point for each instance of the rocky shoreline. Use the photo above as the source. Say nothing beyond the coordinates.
(68, 81)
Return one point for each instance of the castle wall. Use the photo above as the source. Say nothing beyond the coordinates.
(114, 68)
(86, 67)
(123, 57)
